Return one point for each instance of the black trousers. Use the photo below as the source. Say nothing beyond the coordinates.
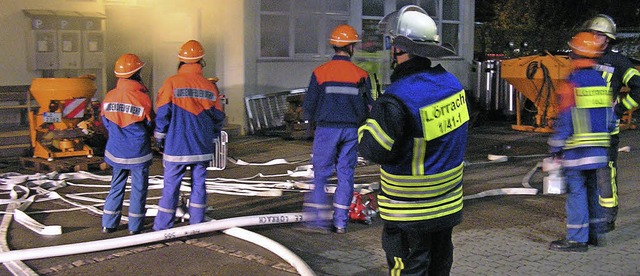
(610, 190)
(412, 250)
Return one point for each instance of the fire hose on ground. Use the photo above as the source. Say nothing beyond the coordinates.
(229, 224)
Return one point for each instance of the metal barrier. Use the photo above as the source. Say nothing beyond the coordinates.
(219, 161)
(267, 111)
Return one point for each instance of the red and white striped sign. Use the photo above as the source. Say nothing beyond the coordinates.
(74, 108)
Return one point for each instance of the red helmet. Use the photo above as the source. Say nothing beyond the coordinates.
(587, 44)
(127, 65)
(343, 35)
(191, 52)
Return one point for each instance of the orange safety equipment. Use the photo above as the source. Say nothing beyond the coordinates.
(191, 52)
(127, 65)
(587, 44)
(601, 23)
(343, 35)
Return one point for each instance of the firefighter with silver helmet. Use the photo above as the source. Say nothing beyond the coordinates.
(417, 132)
(127, 114)
(337, 101)
(189, 119)
(619, 72)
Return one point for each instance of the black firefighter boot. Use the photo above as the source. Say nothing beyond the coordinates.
(568, 246)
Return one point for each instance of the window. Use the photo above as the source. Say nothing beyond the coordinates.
(446, 14)
(299, 28)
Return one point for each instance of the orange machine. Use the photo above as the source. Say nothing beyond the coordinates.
(56, 130)
(536, 77)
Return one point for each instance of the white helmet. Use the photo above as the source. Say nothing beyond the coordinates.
(601, 23)
(412, 30)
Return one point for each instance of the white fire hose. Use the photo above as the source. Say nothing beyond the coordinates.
(173, 233)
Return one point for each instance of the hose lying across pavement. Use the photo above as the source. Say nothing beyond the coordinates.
(169, 234)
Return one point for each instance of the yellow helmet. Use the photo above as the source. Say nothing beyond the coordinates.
(601, 23)
(191, 52)
(587, 44)
(343, 35)
(127, 65)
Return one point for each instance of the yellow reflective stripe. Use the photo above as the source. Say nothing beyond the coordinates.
(630, 73)
(385, 202)
(398, 266)
(599, 139)
(607, 202)
(421, 180)
(420, 186)
(607, 77)
(378, 134)
(617, 129)
(612, 201)
(593, 97)
(420, 192)
(628, 102)
(581, 120)
(419, 152)
(394, 210)
(444, 116)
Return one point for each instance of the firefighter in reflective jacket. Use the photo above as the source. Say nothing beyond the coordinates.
(127, 115)
(417, 131)
(581, 140)
(337, 101)
(619, 72)
(189, 119)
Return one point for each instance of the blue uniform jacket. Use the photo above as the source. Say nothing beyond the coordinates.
(127, 115)
(338, 95)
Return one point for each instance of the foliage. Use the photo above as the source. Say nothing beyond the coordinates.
(544, 25)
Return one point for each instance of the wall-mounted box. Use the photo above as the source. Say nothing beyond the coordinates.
(92, 40)
(42, 41)
(69, 42)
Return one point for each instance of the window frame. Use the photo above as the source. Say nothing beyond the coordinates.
(326, 17)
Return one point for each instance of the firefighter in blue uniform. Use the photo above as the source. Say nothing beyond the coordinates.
(127, 115)
(189, 119)
(581, 141)
(337, 101)
(619, 72)
(417, 132)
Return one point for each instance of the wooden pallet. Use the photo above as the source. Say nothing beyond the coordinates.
(67, 164)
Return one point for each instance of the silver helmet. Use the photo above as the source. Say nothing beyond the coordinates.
(412, 30)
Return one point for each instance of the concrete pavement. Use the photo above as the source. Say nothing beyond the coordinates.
(500, 235)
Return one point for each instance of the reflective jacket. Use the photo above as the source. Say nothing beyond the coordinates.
(339, 94)
(189, 116)
(417, 131)
(127, 114)
(619, 72)
(585, 119)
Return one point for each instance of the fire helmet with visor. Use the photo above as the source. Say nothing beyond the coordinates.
(601, 23)
(191, 52)
(414, 31)
(127, 65)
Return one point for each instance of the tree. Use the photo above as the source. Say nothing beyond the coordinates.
(544, 25)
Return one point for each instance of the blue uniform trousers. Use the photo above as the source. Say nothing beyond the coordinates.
(137, 198)
(173, 174)
(333, 149)
(585, 216)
